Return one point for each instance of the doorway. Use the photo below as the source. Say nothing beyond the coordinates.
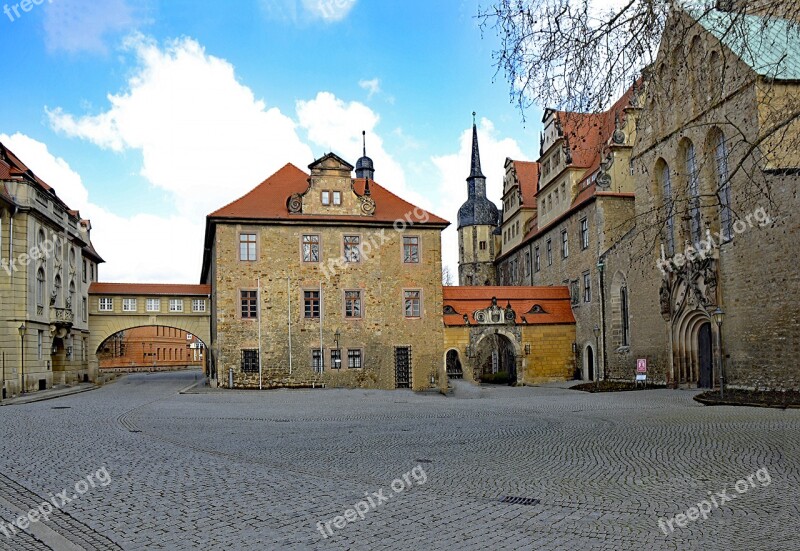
(705, 356)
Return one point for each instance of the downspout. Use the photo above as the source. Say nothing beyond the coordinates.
(600, 267)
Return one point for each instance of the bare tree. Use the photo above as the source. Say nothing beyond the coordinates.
(447, 276)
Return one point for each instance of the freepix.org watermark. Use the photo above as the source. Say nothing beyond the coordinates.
(374, 241)
(705, 247)
(372, 500)
(42, 250)
(101, 477)
(715, 501)
(13, 11)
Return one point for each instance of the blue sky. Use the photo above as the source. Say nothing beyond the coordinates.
(147, 115)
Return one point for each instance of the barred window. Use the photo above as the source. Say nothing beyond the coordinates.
(316, 361)
(249, 361)
(336, 359)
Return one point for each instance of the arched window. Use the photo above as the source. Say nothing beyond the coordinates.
(625, 319)
(56, 298)
(40, 291)
(668, 206)
(693, 181)
(723, 187)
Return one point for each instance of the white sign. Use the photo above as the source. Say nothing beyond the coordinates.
(641, 377)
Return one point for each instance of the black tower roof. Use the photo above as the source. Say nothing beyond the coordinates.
(478, 210)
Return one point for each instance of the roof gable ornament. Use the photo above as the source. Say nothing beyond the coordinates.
(495, 315)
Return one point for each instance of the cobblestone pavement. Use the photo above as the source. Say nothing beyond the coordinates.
(247, 470)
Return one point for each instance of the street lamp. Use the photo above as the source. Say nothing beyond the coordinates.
(719, 314)
(22, 331)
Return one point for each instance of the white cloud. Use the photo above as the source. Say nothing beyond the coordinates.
(139, 248)
(85, 25)
(204, 137)
(372, 86)
(336, 126)
(454, 169)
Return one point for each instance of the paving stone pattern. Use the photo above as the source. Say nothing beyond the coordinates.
(249, 470)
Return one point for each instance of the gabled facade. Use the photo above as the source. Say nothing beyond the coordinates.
(48, 263)
(584, 207)
(323, 279)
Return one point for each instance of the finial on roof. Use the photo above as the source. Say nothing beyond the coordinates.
(473, 117)
(475, 165)
(364, 167)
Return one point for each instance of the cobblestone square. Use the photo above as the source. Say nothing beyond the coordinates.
(249, 470)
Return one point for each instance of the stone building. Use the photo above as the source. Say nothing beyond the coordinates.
(48, 263)
(581, 205)
(325, 279)
(524, 334)
(716, 207)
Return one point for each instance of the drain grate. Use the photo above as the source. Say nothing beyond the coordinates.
(61, 407)
(424, 460)
(516, 500)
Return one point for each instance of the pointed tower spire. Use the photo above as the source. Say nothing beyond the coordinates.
(475, 168)
(364, 166)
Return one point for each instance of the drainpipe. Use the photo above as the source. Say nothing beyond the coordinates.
(600, 266)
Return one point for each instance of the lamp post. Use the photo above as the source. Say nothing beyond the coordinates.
(337, 363)
(22, 331)
(719, 314)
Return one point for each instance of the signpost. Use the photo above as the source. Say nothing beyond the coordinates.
(641, 371)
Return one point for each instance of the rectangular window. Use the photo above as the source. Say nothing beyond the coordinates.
(249, 361)
(623, 303)
(39, 342)
(176, 305)
(584, 233)
(336, 359)
(549, 252)
(337, 197)
(537, 259)
(198, 305)
(564, 244)
(412, 303)
(352, 304)
(85, 309)
(311, 304)
(153, 304)
(316, 361)
(249, 303)
(106, 304)
(482, 245)
(354, 359)
(411, 250)
(91, 266)
(587, 287)
(310, 248)
(247, 246)
(128, 304)
(326, 198)
(352, 248)
(84, 270)
(527, 262)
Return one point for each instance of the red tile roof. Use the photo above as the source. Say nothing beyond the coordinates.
(174, 289)
(553, 301)
(267, 201)
(528, 177)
